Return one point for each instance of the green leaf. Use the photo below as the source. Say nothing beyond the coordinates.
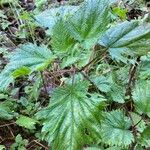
(122, 13)
(141, 97)
(144, 71)
(35, 89)
(140, 124)
(2, 147)
(94, 148)
(115, 129)
(61, 42)
(145, 137)
(67, 61)
(68, 115)
(5, 110)
(117, 89)
(20, 143)
(18, 139)
(31, 56)
(24, 102)
(85, 26)
(145, 134)
(127, 38)
(26, 122)
(21, 71)
(28, 56)
(117, 93)
(3, 96)
(89, 22)
(76, 56)
(49, 18)
(112, 2)
(5, 80)
(102, 83)
(101, 148)
(116, 148)
(2, 15)
(39, 3)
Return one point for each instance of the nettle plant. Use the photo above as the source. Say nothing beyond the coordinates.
(102, 68)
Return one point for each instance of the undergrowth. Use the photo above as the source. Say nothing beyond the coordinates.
(74, 76)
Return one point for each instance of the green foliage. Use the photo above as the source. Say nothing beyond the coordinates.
(117, 94)
(120, 12)
(49, 18)
(40, 3)
(94, 148)
(61, 42)
(20, 143)
(31, 56)
(115, 148)
(69, 108)
(128, 38)
(115, 129)
(141, 96)
(26, 122)
(34, 91)
(89, 22)
(102, 83)
(85, 26)
(137, 120)
(2, 147)
(21, 71)
(111, 88)
(145, 137)
(86, 80)
(144, 72)
(145, 133)
(6, 110)
(27, 57)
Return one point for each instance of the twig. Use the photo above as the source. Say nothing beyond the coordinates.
(132, 78)
(31, 145)
(36, 143)
(92, 61)
(8, 124)
(138, 122)
(133, 130)
(44, 84)
(131, 83)
(11, 132)
(46, 148)
(73, 76)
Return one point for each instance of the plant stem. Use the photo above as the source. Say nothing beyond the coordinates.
(44, 84)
